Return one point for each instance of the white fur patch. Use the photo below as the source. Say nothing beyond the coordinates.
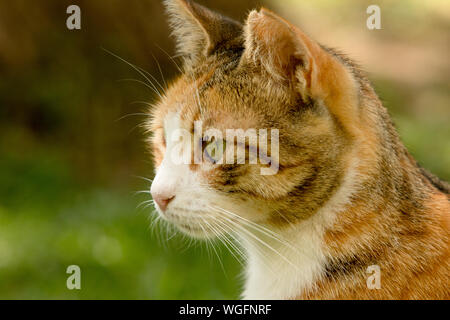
(294, 270)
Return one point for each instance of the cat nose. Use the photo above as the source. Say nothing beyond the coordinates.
(162, 199)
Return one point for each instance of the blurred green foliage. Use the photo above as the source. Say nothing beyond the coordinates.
(48, 223)
(70, 153)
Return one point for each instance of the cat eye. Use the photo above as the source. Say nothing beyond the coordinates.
(214, 151)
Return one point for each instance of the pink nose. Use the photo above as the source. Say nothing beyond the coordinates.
(162, 199)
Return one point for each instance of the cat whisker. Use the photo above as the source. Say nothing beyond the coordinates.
(141, 71)
(276, 237)
(152, 88)
(241, 258)
(171, 58)
(259, 228)
(219, 235)
(257, 249)
(142, 191)
(142, 125)
(160, 71)
(146, 103)
(130, 115)
(144, 178)
(147, 202)
(212, 245)
(156, 227)
(258, 239)
(284, 218)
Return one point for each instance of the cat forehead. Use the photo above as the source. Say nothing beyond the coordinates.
(225, 97)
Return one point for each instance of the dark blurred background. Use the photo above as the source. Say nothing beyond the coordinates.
(72, 153)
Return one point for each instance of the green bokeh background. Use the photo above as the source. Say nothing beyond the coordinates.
(71, 158)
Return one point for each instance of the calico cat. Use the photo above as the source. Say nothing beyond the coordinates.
(346, 194)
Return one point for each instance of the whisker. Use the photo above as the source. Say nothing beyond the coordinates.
(139, 70)
(149, 104)
(156, 80)
(258, 250)
(142, 191)
(153, 89)
(261, 241)
(229, 243)
(130, 115)
(144, 178)
(284, 218)
(142, 125)
(171, 58)
(150, 202)
(160, 70)
(212, 246)
(260, 228)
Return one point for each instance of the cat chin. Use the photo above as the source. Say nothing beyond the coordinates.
(187, 226)
(195, 232)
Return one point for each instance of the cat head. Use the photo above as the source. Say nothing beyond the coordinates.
(294, 104)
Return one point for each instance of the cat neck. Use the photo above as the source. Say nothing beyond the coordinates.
(366, 213)
(284, 263)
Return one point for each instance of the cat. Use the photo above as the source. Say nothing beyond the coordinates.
(346, 195)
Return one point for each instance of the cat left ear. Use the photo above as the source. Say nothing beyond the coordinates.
(199, 32)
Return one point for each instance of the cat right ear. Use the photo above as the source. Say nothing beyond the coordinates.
(200, 32)
(287, 55)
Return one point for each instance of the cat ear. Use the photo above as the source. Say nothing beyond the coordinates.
(274, 44)
(288, 55)
(198, 31)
